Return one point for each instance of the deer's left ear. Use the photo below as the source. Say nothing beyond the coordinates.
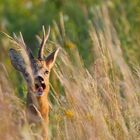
(50, 60)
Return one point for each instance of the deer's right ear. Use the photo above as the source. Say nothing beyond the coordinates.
(17, 60)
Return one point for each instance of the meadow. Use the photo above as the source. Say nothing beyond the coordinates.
(95, 84)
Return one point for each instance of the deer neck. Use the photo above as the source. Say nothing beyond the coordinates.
(38, 104)
(44, 105)
(43, 100)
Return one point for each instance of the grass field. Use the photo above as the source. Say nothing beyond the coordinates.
(95, 101)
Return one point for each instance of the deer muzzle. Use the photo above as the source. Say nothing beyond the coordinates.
(39, 85)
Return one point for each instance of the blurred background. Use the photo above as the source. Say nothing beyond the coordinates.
(83, 28)
(28, 16)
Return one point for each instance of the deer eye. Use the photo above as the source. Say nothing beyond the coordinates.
(46, 72)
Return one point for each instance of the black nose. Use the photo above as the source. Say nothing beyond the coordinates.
(39, 78)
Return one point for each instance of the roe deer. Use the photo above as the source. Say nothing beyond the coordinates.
(37, 79)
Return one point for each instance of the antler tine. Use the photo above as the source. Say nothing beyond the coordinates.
(44, 40)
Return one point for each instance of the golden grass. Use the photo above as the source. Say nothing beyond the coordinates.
(99, 103)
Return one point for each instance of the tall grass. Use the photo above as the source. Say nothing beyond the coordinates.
(99, 103)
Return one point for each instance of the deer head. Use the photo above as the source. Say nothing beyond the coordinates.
(37, 71)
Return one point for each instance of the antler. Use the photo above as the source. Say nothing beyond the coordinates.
(42, 45)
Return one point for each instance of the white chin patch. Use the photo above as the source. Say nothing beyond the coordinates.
(40, 91)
